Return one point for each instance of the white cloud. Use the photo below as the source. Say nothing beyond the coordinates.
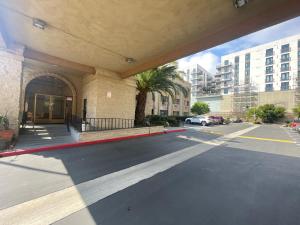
(207, 60)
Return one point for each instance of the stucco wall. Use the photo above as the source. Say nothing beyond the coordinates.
(226, 103)
(100, 135)
(280, 98)
(10, 75)
(109, 96)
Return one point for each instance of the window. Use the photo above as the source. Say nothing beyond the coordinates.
(284, 86)
(269, 61)
(247, 72)
(298, 53)
(269, 69)
(285, 76)
(187, 103)
(163, 112)
(269, 87)
(269, 52)
(298, 43)
(175, 113)
(237, 59)
(225, 90)
(269, 78)
(247, 80)
(285, 57)
(226, 76)
(226, 62)
(247, 65)
(285, 67)
(177, 101)
(164, 99)
(285, 48)
(247, 57)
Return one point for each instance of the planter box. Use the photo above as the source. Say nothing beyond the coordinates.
(6, 134)
(6, 137)
(107, 134)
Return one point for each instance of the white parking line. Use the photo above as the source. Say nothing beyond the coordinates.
(57, 205)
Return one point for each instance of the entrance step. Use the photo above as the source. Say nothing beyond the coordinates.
(43, 135)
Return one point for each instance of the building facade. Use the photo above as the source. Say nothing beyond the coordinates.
(267, 73)
(202, 82)
(158, 104)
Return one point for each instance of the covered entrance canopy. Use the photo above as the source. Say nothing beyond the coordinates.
(131, 36)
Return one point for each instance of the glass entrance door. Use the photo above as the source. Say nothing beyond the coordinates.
(49, 109)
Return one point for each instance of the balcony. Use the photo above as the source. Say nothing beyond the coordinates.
(285, 78)
(269, 71)
(223, 65)
(286, 59)
(270, 54)
(284, 69)
(226, 78)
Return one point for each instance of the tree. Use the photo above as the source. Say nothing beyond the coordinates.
(161, 80)
(297, 111)
(200, 108)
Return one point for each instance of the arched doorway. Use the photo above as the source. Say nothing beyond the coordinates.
(48, 99)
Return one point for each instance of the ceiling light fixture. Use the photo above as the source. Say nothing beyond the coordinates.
(239, 3)
(129, 60)
(41, 24)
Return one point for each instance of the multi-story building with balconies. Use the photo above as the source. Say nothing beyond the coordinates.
(201, 80)
(158, 104)
(268, 73)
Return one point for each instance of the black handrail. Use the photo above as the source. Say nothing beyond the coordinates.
(100, 124)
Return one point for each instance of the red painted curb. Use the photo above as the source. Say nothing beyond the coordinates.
(78, 144)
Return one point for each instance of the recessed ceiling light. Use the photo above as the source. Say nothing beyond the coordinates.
(240, 3)
(129, 60)
(41, 24)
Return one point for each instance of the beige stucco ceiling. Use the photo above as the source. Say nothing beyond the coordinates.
(103, 33)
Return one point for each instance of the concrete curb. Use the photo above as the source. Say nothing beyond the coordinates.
(79, 144)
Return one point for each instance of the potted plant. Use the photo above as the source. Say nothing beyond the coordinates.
(6, 134)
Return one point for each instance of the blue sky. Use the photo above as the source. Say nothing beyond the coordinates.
(211, 57)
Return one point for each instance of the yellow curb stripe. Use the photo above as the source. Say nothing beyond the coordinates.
(267, 139)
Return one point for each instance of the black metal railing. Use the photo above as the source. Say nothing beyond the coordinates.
(100, 124)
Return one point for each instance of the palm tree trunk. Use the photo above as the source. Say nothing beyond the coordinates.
(141, 99)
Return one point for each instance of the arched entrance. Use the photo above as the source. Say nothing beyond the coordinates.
(49, 99)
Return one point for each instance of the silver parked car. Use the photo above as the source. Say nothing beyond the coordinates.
(203, 120)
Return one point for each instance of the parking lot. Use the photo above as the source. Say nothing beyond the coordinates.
(226, 174)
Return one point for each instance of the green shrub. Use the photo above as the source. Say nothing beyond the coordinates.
(297, 111)
(157, 120)
(268, 113)
(200, 108)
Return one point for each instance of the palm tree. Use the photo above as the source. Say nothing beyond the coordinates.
(161, 80)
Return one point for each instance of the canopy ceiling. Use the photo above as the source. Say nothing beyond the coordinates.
(102, 34)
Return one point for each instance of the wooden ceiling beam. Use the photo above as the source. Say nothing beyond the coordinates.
(43, 57)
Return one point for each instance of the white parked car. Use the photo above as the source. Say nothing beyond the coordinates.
(203, 120)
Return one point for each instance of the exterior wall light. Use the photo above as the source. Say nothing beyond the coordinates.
(41, 24)
(129, 60)
(239, 3)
